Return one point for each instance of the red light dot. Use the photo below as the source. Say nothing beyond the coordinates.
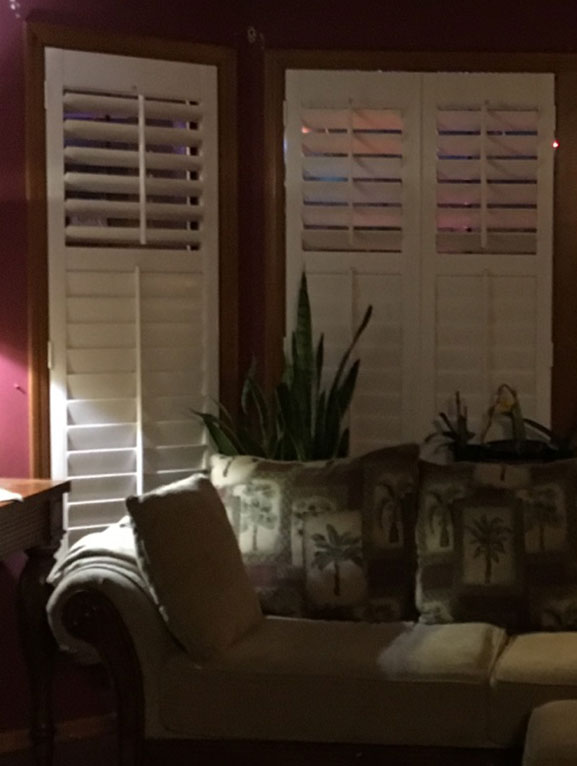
(555, 144)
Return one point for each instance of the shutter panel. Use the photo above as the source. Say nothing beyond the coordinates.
(133, 261)
(352, 161)
(487, 240)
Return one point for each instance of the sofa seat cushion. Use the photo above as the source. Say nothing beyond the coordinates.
(552, 735)
(534, 668)
(313, 680)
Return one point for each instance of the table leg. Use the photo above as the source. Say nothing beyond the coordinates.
(39, 648)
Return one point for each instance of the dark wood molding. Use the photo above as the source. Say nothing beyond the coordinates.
(228, 231)
(564, 383)
(39, 434)
(564, 66)
(38, 37)
(274, 232)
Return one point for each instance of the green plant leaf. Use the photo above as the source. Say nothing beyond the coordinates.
(318, 438)
(334, 413)
(253, 394)
(345, 392)
(352, 344)
(223, 437)
(303, 364)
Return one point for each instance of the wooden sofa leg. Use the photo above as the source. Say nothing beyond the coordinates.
(90, 616)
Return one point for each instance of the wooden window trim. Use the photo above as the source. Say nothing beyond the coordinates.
(563, 66)
(38, 37)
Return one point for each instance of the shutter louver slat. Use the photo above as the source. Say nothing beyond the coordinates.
(128, 134)
(126, 235)
(131, 210)
(86, 182)
(370, 241)
(127, 106)
(119, 158)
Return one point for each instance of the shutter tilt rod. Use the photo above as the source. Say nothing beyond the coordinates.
(350, 130)
(142, 167)
(483, 161)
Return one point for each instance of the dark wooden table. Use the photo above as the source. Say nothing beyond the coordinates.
(35, 525)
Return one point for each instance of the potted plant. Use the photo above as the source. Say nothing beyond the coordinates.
(529, 440)
(301, 420)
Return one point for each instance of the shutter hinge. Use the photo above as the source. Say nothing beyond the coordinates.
(49, 355)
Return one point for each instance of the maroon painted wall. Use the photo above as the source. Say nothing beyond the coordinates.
(508, 25)
(441, 25)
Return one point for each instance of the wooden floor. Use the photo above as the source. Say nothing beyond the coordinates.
(101, 751)
(84, 752)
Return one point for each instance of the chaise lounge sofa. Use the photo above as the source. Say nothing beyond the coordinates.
(209, 675)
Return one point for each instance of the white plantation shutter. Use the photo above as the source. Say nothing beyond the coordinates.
(133, 260)
(429, 196)
(487, 239)
(352, 152)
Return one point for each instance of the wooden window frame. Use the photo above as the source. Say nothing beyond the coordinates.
(563, 66)
(38, 37)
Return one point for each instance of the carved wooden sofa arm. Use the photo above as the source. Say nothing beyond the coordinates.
(91, 617)
(103, 615)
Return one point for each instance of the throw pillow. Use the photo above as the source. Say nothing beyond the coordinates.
(498, 544)
(327, 538)
(190, 559)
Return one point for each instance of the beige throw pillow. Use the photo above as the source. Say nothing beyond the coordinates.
(189, 556)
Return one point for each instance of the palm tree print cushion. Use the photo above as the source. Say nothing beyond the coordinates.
(498, 545)
(256, 494)
(328, 538)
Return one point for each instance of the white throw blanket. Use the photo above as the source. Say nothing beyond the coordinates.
(112, 548)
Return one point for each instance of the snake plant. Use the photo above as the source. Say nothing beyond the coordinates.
(301, 420)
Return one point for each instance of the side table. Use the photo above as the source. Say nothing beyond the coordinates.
(35, 525)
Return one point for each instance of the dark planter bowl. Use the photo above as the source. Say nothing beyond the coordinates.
(508, 451)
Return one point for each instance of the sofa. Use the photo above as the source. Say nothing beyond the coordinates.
(171, 601)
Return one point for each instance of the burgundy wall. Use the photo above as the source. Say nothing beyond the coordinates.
(466, 25)
(544, 25)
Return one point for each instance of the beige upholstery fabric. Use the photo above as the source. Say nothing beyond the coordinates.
(552, 735)
(190, 558)
(298, 679)
(534, 668)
